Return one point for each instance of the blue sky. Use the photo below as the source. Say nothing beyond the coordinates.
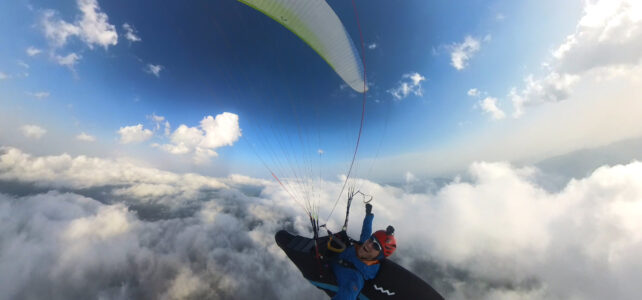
(222, 56)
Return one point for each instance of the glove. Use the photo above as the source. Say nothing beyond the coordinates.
(368, 208)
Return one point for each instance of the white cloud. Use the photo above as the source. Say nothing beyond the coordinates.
(203, 155)
(85, 137)
(130, 33)
(553, 88)
(189, 136)
(92, 27)
(220, 131)
(134, 134)
(33, 131)
(23, 64)
(212, 133)
(608, 39)
(372, 46)
(68, 61)
(489, 106)
(410, 84)
(500, 17)
(608, 34)
(157, 120)
(462, 53)
(40, 95)
(33, 51)
(174, 148)
(57, 31)
(4, 76)
(154, 69)
(167, 128)
(409, 177)
(95, 25)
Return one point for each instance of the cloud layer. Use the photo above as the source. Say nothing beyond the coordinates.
(81, 227)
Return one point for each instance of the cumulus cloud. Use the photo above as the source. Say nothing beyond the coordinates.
(461, 53)
(33, 51)
(134, 134)
(608, 34)
(85, 137)
(130, 33)
(552, 88)
(95, 26)
(154, 69)
(489, 106)
(372, 46)
(608, 37)
(495, 234)
(202, 141)
(220, 131)
(33, 131)
(57, 31)
(410, 84)
(92, 27)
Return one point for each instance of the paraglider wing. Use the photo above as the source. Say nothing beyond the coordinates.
(316, 24)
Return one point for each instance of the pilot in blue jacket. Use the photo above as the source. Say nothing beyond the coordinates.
(360, 262)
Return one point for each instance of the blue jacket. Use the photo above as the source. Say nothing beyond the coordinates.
(349, 280)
